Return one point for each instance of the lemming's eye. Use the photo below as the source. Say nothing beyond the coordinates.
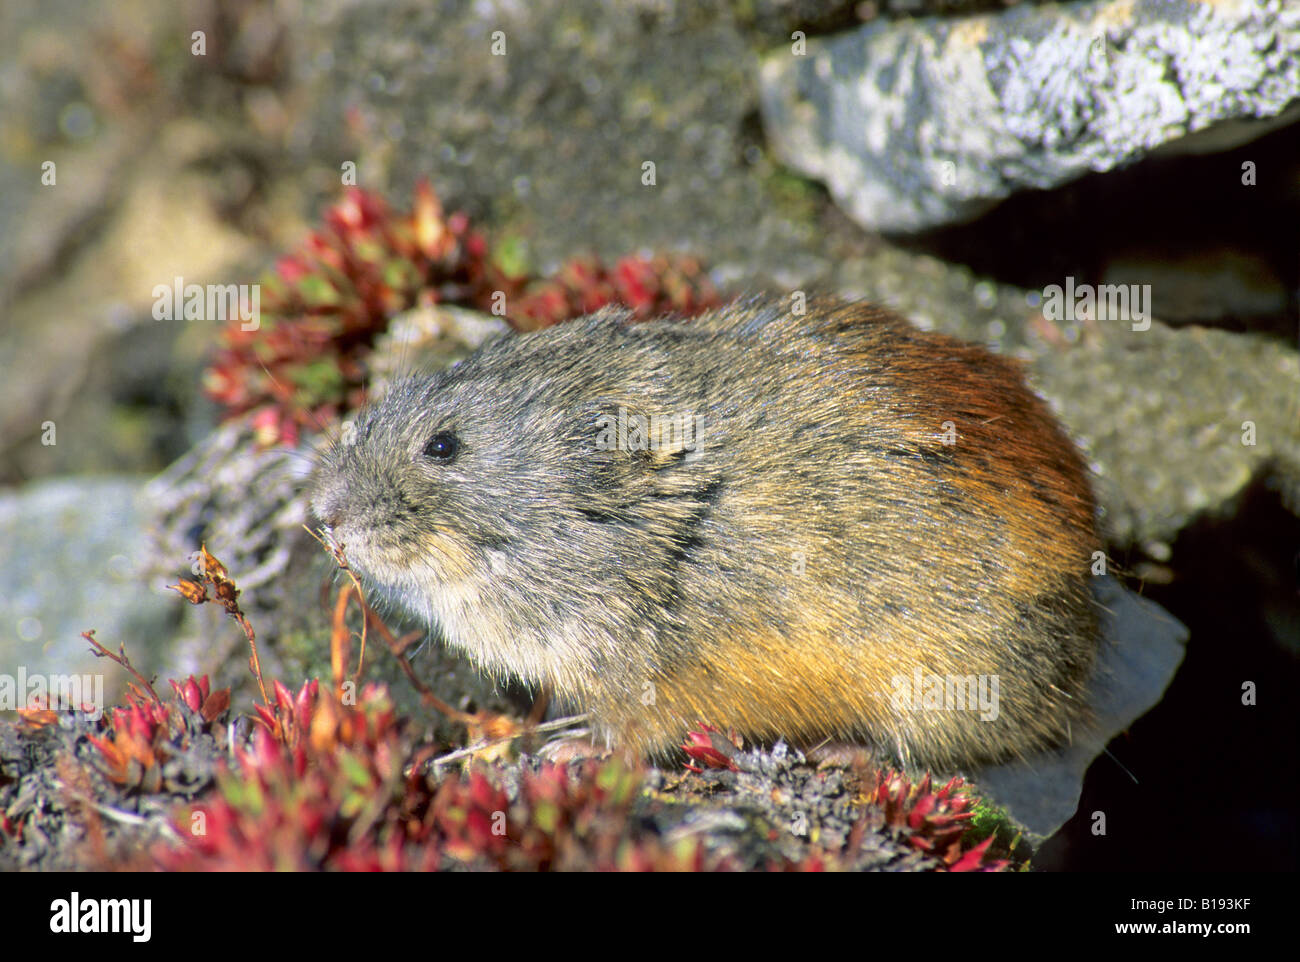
(442, 447)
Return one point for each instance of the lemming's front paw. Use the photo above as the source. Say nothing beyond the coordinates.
(573, 747)
(843, 755)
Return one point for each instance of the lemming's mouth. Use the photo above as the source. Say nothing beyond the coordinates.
(371, 555)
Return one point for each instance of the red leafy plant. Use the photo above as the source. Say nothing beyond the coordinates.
(933, 821)
(646, 285)
(325, 785)
(346, 792)
(143, 735)
(707, 745)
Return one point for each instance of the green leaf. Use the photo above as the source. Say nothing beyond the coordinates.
(317, 291)
(511, 256)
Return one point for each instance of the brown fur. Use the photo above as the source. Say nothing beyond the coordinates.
(819, 543)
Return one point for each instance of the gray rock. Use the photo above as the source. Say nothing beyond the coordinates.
(541, 144)
(74, 549)
(918, 123)
(548, 141)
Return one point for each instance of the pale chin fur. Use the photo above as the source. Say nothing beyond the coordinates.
(469, 625)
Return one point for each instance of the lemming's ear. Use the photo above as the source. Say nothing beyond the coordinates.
(652, 438)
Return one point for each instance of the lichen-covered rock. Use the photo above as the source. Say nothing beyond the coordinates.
(918, 123)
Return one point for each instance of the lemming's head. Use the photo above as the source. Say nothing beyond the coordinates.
(491, 471)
